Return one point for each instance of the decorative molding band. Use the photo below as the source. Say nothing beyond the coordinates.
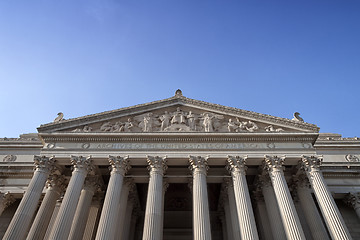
(179, 137)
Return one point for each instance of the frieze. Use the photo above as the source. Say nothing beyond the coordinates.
(205, 146)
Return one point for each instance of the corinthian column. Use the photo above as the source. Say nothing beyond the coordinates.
(124, 202)
(236, 165)
(232, 209)
(331, 214)
(312, 216)
(154, 203)
(6, 199)
(81, 167)
(110, 210)
(201, 216)
(21, 221)
(55, 186)
(272, 208)
(353, 200)
(290, 219)
(91, 186)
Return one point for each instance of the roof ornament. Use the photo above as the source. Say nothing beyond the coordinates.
(59, 118)
(297, 117)
(178, 93)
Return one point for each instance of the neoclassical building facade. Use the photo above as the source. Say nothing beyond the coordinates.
(179, 169)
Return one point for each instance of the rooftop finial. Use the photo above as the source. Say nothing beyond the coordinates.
(297, 117)
(178, 92)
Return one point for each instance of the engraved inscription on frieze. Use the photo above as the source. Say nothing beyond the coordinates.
(169, 146)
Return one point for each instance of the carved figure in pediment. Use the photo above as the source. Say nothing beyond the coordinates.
(271, 128)
(165, 121)
(128, 125)
(84, 129)
(106, 127)
(147, 122)
(248, 126)
(87, 128)
(232, 127)
(191, 121)
(209, 121)
(117, 127)
(178, 117)
(251, 126)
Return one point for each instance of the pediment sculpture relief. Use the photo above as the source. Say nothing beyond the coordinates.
(180, 121)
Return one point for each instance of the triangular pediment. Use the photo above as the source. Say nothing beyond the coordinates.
(178, 114)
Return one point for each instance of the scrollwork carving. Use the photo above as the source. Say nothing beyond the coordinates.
(352, 158)
(157, 164)
(82, 163)
(198, 163)
(119, 164)
(9, 158)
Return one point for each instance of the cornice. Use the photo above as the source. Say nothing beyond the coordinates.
(178, 137)
(175, 100)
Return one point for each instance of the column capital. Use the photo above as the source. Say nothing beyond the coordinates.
(274, 163)
(353, 199)
(81, 163)
(311, 163)
(165, 185)
(44, 163)
(129, 182)
(236, 164)
(157, 164)
(198, 164)
(92, 184)
(6, 199)
(263, 181)
(119, 164)
(57, 182)
(300, 181)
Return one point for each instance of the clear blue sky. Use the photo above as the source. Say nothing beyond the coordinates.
(272, 57)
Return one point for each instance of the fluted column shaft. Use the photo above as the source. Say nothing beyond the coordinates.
(261, 215)
(236, 166)
(272, 209)
(21, 220)
(55, 186)
(330, 211)
(63, 222)
(312, 216)
(227, 211)
(127, 185)
(107, 227)
(154, 203)
(223, 225)
(134, 219)
(165, 186)
(128, 218)
(233, 211)
(290, 219)
(83, 208)
(201, 216)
